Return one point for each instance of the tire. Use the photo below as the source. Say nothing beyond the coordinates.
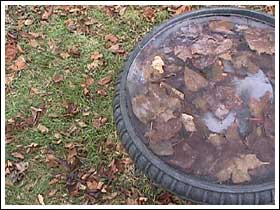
(185, 186)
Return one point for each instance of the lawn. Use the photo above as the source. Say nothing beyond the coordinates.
(61, 141)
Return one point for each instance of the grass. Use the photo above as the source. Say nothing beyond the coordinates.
(42, 65)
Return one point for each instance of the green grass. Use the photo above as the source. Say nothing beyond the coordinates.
(42, 65)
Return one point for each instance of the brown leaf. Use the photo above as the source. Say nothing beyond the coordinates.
(57, 78)
(51, 193)
(112, 38)
(71, 108)
(105, 80)
(182, 9)
(158, 64)
(43, 129)
(47, 13)
(221, 26)
(9, 78)
(51, 161)
(17, 155)
(87, 83)
(28, 22)
(33, 43)
(34, 91)
(40, 199)
(188, 122)
(194, 81)
(19, 64)
(162, 148)
(64, 55)
(100, 122)
(237, 168)
(74, 51)
(257, 106)
(92, 184)
(116, 49)
(149, 14)
(183, 52)
(101, 92)
(160, 131)
(260, 40)
(71, 25)
(10, 52)
(35, 35)
(95, 56)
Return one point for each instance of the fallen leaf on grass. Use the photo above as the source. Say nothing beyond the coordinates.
(51, 193)
(116, 48)
(28, 22)
(43, 129)
(19, 64)
(74, 51)
(101, 92)
(33, 43)
(71, 108)
(149, 14)
(10, 52)
(17, 155)
(105, 80)
(100, 122)
(95, 56)
(51, 161)
(112, 38)
(182, 9)
(47, 13)
(41, 199)
(9, 78)
(64, 55)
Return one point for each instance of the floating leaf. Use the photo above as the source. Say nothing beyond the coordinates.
(158, 64)
(188, 122)
(194, 81)
(162, 148)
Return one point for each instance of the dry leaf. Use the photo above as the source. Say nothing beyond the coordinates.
(19, 64)
(116, 49)
(47, 13)
(43, 129)
(33, 43)
(158, 64)
(149, 14)
(162, 148)
(112, 38)
(10, 52)
(101, 92)
(95, 56)
(82, 124)
(105, 80)
(9, 78)
(57, 78)
(74, 51)
(41, 199)
(182, 9)
(221, 26)
(17, 155)
(194, 81)
(188, 122)
(51, 161)
(101, 121)
(28, 22)
(237, 168)
(64, 55)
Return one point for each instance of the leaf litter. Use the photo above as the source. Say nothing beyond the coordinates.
(195, 110)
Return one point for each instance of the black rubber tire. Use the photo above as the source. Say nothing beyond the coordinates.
(185, 186)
